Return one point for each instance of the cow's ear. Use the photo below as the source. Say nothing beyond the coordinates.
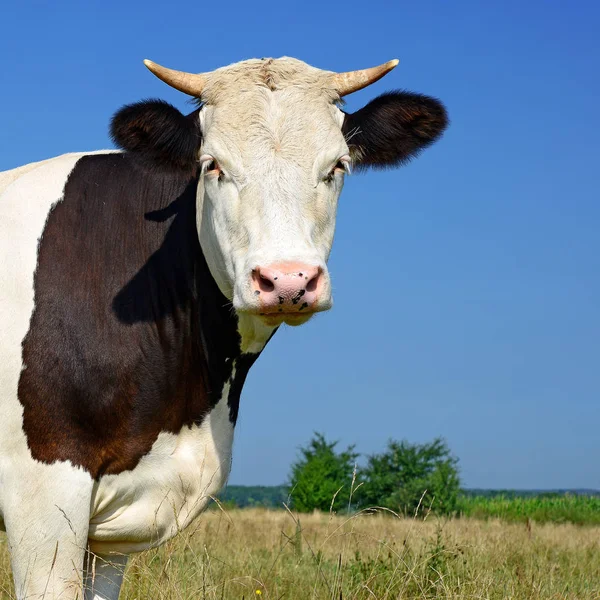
(393, 128)
(158, 134)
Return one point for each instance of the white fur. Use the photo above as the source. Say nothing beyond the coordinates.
(7, 177)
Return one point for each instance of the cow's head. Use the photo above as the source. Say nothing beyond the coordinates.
(273, 146)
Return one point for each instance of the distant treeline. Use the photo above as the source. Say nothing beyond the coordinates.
(580, 506)
(244, 496)
(274, 496)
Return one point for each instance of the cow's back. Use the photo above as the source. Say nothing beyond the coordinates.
(7, 177)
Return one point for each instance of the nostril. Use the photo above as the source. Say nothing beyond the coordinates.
(262, 281)
(311, 286)
(265, 285)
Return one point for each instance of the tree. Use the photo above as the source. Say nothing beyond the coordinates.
(398, 478)
(321, 476)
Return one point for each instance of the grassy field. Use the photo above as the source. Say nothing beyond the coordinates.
(255, 553)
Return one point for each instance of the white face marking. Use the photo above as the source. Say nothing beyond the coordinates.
(275, 198)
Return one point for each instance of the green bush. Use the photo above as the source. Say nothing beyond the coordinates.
(322, 478)
(407, 476)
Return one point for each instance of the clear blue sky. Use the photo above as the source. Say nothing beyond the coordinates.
(479, 262)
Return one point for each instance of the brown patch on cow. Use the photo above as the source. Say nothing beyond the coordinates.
(130, 335)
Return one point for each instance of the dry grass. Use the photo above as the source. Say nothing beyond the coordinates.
(271, 554)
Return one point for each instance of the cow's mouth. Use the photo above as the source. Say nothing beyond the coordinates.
(289, 318)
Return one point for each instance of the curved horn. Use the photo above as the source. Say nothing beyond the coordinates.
(188, 83)
(352, 81)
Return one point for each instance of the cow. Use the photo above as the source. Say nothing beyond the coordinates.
(139, 285)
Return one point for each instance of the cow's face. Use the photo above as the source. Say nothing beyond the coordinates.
(272, 160)
(272, 148)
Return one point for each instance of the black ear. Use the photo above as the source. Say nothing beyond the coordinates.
(393, 128)
(158, 134)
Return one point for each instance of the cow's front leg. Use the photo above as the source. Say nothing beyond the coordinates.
(103, 576)
(47, 518)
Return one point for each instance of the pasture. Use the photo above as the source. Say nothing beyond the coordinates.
(258, 553)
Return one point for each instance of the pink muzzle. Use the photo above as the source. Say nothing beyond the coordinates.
(287, 287)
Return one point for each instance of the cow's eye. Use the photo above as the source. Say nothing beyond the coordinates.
(210, 166)
(342, 165)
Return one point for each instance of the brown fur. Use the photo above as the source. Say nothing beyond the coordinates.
(130, 335)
